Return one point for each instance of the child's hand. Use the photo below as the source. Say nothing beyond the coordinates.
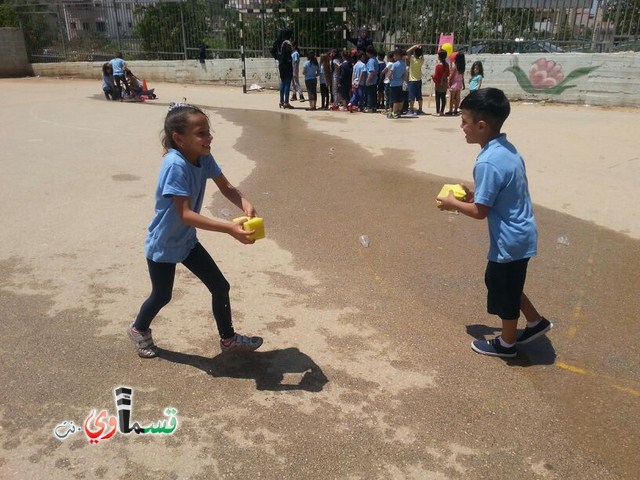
(240, 234)
(447, 203)
(469, 197)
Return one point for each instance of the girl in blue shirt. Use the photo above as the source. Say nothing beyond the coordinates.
(171, 239)
(311, 71)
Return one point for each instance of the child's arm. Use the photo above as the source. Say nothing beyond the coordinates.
(466, 206)
(234, 195)
(193, 219)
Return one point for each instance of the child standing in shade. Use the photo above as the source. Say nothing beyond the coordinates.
(324, 80)
(171, 239)
(440, 80)
(477, 74)
(502, 197)
(311, 71)
(416, 60)
(397, 77)
(456, 82)
(358, 83)
(295, 82)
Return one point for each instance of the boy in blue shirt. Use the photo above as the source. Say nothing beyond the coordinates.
(371, 80)
(358, 80)
(502, 197)
(397, 78)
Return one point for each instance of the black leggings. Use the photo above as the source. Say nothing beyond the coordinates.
(202, 266)
(441, 101)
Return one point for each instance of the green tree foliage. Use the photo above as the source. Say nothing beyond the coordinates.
(160, 26)
(8, 15)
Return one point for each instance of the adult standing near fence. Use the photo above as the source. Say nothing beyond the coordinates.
(118, 65)
(285, 65)
(362, 41)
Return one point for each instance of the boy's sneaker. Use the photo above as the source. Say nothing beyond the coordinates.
(421, 112)
(294, 97)
(240, 344)
(530, 334)
(143, 342)
(302, 99)
(493, 348)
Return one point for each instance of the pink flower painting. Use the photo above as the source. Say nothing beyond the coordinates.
(545, 74)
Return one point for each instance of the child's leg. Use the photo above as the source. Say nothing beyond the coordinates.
(528, 310)
(509, 329)
(200, 263)
(162, 276)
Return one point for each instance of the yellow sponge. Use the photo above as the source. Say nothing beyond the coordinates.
(457, 189)
(253, 223)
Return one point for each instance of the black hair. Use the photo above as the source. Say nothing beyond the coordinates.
(477, 65)
(177, 120)
(442, 55)
(381, 54)
(488, 104)
(107, 69)
(312, 58)
(418, 52)
(460, 62)
(371, 50)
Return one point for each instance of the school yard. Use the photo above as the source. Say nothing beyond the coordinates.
(366, 371)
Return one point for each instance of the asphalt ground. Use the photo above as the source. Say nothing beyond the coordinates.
(366, 370)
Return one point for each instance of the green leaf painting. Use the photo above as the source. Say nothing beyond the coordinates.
(546, 76)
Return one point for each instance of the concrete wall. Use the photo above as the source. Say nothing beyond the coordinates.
(589, 79)
(13, 53)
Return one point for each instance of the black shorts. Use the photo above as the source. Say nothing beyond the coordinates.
(396, 94)
(505, 284)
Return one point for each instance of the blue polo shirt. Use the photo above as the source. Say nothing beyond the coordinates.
(501, 184)
(169, 240)
(118, 66)
(397, 73)
(372, 66)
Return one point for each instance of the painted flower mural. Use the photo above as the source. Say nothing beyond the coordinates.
(546, 76)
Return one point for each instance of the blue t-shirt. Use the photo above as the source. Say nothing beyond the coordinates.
(169, 240)
(372, 66)
(358, 68)
(475, 83)
(295, 57)
(501, 184)
(118, 66)
(397, 73)
(311, 70)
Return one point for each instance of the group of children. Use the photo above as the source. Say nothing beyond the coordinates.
(501, 196)
(119, 83)
(369, 81)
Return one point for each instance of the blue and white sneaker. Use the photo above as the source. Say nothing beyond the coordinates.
(530, 334)
(493, 348)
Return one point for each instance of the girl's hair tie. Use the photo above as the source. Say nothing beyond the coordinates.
(175, 105)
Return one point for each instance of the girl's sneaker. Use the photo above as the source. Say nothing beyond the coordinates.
(143, 342)
(240, 344)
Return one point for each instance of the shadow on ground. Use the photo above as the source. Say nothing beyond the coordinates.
(268, 369)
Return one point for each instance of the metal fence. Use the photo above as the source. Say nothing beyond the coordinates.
(82, 30)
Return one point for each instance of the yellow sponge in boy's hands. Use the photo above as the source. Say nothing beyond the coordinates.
(457, 190)
(253, 223)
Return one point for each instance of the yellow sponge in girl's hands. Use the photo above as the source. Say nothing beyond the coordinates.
(456, 188)
(252, 223)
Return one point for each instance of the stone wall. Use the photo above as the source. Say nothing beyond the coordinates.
(13, 53)
(576, 78)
